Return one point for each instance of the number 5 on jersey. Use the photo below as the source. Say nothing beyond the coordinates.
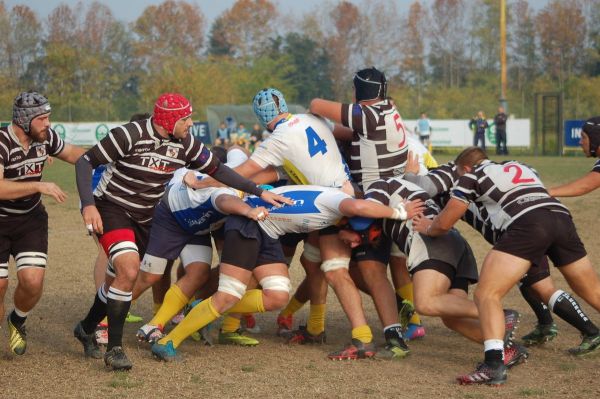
(315, 143)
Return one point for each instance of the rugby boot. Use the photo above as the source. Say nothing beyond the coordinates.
(149, 333)
(249, 324)
(236, 338)
(131, 318)
(284, 325)
(355, 350)
(394, 349)
(116, 359)
(485, 374)
(405, 312)
(302, 336)
(514, 355)
(541, 333)
(165, 352)
(414, 331)
(17, 338)
(102, 334)
(90, 345)
(511, 321)
(588, 345)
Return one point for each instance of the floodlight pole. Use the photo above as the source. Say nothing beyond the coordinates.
(503, 101)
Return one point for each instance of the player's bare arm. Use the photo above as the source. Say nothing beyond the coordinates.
(233, 205)
(443, 222)
(581, 186)
(328, 109)
(371, 209)
(71, 153)
(10, 190)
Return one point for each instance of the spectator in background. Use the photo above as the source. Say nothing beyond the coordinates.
(256, 136)
(232, 128)
(423, 129)
(243, 137)
(478, 125)
(222, 135)
(500, 122)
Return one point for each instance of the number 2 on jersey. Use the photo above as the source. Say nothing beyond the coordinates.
(518, 173)
(315, 143)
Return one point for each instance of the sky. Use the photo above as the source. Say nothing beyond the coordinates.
(129, 10)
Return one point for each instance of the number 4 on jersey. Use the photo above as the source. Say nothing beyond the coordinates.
(315, 143)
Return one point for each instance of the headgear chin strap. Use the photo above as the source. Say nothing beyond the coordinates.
(169, 108)
(591, 127)
(28, 106)
(370, 84)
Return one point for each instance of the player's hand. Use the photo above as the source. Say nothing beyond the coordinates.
(412, 163)
(421, 224)
(275, 199)
(414, 208)
(51, 189)
(92, 220)
(191, 180)
(258, 213)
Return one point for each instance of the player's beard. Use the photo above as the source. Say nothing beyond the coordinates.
(40, 136)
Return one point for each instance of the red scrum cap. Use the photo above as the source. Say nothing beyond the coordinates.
(169, 108)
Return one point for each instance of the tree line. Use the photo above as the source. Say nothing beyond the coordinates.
(440, 56)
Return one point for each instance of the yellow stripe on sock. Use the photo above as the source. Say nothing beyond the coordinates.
(292, 307)
(251, 302)
(174, 301)
(363, 334)
(316, 319)
(201, 315)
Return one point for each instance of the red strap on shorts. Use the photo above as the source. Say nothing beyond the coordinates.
(109, 239)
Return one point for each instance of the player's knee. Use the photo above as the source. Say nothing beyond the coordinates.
(230, 291)
(276, 291)
(425, 307)
(311, 253)
(31, 282)
(336, 268)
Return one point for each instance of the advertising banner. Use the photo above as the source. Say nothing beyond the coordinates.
(573, 132)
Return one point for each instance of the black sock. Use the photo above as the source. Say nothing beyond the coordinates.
(493, 357)
(567, 308)
(394, 332)
(539, 308)
(95, 315)
(117, 313)
(17, 320)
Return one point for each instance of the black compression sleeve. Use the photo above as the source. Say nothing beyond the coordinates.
(228, 176)
(83, 173)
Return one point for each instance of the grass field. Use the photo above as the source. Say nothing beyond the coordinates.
(54, 365)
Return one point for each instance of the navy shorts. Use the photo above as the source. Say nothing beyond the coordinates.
(248, 246)
(167, 238)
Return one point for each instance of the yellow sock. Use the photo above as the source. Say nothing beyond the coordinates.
(201, 315)
(174, 300)
(316, 319)
(406, 292)
(251, 302)
(155, 307)
(230, 324)
(363, 334)
(292, 307)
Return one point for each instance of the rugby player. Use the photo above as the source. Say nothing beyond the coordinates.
(25, 145)
(142, 158)
(252, 248)
(534, 224)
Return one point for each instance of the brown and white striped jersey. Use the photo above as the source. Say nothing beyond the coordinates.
(507, 190)
(392, 192)
(140, 163)
(20, 165)
(379, 148)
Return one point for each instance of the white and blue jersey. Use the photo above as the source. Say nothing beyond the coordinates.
(315, 207)
(196, 211)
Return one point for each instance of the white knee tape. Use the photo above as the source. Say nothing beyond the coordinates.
(231, 286)
(311, 253)
(196, 253)
(276, 283)
(30, 259)
(153, 264)
(334, 264)
(396, 251)
(3, 270)
(121, 248)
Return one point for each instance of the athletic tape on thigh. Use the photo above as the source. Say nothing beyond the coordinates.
(311, 253)
(196, 253)
(276, 283)
(3, 270)
(121, 248)
(231, 286)
(334, 264)
(395, 251)
(110, 270)
(118, 295)
(153, 264)
(30, 259)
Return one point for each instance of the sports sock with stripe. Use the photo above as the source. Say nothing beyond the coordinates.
(567, 308)
(174, 301)
(117, 306)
